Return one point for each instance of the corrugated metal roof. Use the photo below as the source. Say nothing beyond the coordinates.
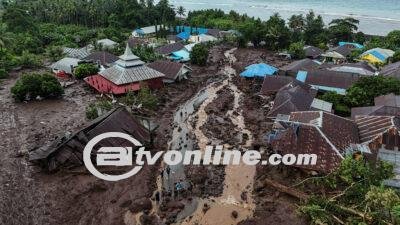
(120, 75)
(78, 53)
(65, 64)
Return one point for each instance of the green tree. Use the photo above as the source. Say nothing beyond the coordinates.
(199, 54)
(393, 40)
(296, 50)
(180, 11)
(314, 31)
(146, 98)
(363, 92)
(343, 29)
(85, 70)
(396, 56)
(34, 85)
(277, 34)
(54, 53)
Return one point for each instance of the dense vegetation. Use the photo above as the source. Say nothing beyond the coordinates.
(199, 54)
(30, 86)
(352, 194)
(85, 70)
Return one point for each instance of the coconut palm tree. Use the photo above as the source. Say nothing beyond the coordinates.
(180, 11)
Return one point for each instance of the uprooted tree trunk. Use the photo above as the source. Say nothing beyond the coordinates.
(304, 197)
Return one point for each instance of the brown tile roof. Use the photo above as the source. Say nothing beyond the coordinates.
(372, 126)
(313, 52)
(272, 84)
(102, 57)
(320, 133)
(304, 64)
(375, 111)
(330, 78)
(388, 100)
(291, 98)
(68, 151)
(385, 105)
(169, 68)
(170, 48)
(135, 42)
(214, 32)
(392, 70)
(344, 50)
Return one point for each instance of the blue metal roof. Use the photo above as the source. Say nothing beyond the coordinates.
(181, 55)
(188, 29)
(259, 70)
(301, 76)
(183, 35)
(351, 43)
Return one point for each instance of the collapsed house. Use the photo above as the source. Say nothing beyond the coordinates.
(67, 151)
(315, 132)
(380, 136)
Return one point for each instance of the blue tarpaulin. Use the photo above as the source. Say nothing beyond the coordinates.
(187, 29)
(181, 55)
(183, 35)
(351, 43)
(259, 70)
(301, 76)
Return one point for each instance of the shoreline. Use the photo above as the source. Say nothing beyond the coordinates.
(370, 25)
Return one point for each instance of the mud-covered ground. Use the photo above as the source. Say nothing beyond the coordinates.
(31, 196)
(272, 207)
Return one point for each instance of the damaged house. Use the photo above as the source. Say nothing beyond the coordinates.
(67, 151)
(380, 136)
(315, 132)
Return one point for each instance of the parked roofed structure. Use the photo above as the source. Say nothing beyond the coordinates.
(103, 58)
(391, 70)
(66, 65)
(312, 52)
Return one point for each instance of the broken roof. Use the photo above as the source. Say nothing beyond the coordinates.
(68, 151)
(65, 64)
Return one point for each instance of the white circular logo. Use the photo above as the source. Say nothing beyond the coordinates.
(124, 158)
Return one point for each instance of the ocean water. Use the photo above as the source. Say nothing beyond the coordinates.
(376, 16)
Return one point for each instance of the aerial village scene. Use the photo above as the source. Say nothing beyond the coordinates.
(180, 78)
